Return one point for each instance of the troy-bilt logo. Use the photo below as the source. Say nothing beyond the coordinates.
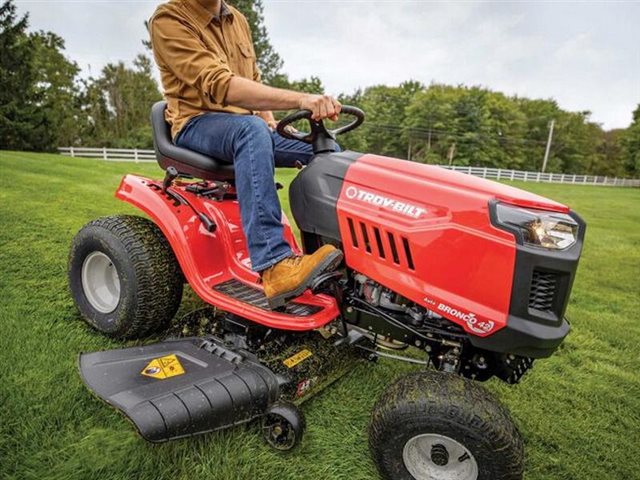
(475, 325)
(404, 208)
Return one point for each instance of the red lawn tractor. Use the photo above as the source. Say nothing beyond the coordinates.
(465, 277)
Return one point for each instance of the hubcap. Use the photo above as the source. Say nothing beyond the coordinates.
(100, 282)
(437, 457)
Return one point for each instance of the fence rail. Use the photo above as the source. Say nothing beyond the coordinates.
(525, 176)
(111, 154)
(141, 156)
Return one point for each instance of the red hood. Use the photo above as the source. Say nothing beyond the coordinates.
(457, 180)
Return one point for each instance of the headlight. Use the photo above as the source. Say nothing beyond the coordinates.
(551, 230)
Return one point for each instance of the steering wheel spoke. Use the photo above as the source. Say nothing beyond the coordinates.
(320, 136)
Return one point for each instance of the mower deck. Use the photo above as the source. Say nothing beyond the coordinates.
(181, 388)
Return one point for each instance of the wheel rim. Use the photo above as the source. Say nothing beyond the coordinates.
(100, 282)
(279, 433)
(437, 457)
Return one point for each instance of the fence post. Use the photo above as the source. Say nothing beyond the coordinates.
(135, 155)
(484, 173)
(538, 177)
(526, 175)
(499, 171)
(513, 172)
(573, 180)
(104, 153)
(71, 152)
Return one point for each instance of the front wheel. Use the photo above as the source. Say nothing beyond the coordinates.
(124, 277)
(437, 426)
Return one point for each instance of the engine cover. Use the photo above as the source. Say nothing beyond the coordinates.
(314, 193)
(426, 233)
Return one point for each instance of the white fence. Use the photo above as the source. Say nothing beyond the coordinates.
(502, 174)
(137, 155)
(111, 154)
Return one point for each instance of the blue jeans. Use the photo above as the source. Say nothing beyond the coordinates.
(254, 149)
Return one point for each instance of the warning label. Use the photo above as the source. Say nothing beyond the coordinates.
(297, 358)
(163, 367)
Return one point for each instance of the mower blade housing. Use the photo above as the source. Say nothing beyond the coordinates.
(180, 388)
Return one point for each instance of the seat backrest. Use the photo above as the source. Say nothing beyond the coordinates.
(185, 161)
(161, 129)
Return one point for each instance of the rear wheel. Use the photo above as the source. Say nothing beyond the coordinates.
(124, 277)
(437, 426)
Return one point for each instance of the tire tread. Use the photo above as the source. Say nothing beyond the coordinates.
(158, 278)
(445, 401)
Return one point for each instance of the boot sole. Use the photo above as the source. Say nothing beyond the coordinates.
(328, 264)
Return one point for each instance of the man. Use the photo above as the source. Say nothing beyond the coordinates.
(217, 106)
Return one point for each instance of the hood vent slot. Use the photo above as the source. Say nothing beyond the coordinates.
(381, 243)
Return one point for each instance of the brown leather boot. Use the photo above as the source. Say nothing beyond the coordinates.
(292, 276)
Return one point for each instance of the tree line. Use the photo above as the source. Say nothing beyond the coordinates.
(45, 103)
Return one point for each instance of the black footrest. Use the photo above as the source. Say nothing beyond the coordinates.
(254, 296)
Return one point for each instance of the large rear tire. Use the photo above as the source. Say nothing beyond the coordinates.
(124, 277)
(438, 426)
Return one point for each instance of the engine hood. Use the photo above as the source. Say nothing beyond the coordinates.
(431, 175)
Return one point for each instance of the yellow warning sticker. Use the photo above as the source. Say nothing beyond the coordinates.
(297, 358)
(163, 367)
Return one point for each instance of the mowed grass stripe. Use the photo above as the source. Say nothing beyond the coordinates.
(578, 411)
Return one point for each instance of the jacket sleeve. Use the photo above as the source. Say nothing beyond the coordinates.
(179, 48)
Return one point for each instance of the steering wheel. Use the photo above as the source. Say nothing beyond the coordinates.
(322, 138)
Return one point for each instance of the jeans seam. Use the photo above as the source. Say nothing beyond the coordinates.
(257, 192)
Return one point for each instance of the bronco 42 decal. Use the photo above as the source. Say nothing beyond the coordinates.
(473, 323)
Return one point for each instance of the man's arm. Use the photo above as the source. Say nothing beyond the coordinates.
(180, 48)
(251, 95)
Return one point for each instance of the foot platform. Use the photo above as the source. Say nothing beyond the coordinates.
(254, 296)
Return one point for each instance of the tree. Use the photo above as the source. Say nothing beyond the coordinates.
(308, 85)
(117, 105)
(631, 146)
(609, 156)
(56, 89)
(385, 108)
(18, 117)
(466, 126)
(538, 115)
(429, 122)
(38, 89)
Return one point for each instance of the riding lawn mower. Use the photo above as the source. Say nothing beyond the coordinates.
(465, 277)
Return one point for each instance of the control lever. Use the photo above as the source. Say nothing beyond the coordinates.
(169, 177)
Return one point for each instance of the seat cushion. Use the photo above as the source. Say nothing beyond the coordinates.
(185, 161)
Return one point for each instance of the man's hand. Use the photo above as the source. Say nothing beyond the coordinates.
(321, 106)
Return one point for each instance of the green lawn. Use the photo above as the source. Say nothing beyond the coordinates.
(579, 411)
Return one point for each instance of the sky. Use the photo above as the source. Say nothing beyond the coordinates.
(586, 55)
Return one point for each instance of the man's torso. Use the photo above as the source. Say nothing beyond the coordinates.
(227, 37)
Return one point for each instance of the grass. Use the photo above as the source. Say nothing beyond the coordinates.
(578, 411)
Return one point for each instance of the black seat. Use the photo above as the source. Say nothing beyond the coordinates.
(185, 161)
